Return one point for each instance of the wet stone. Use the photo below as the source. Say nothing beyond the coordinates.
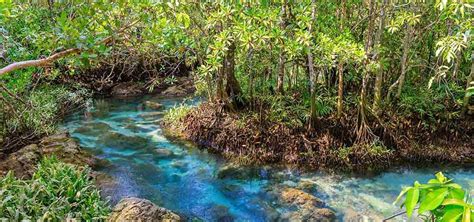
(135, 209)
(93, 128)
(118, 140)
(153, 105)
(234, 171)
(163, 153)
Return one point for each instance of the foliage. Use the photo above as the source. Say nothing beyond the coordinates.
(440, 199)
(176, 114)
(36, 112)
(244, 53)
(56, 191)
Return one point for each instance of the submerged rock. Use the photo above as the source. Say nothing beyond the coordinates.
(126, 89)
(163, 153)
(235, 171)
(135, 209)
(304, 206)
(93, 128)
(118, 140)
(153, 105)
(151, 115)
(300, 198)
(318, 214)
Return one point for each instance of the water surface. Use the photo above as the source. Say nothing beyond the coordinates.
(180, 177)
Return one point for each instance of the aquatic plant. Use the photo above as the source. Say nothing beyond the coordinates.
(55, 192)
(440, 199)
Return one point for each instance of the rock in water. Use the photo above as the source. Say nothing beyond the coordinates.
(299, 198)
(153, 105)
(135, 209)
(236, 171)
(309, 207)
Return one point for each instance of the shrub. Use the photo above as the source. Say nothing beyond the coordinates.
(173, 117)
(37, 111)
(56, 191)
(438, 200)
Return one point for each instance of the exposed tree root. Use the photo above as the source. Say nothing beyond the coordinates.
(333, 145)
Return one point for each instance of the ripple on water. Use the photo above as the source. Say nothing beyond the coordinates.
(183, 178)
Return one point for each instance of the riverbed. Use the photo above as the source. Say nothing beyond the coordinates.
(181, 177)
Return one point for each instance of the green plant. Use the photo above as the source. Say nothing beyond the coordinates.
(36, 111)
(55, 192)
(174, 115)
(438, 200)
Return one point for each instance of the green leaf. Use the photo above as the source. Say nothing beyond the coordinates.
(411, 200)
(433, 200)
(440, 176)
(457, 193)
(455, 202)
(466, 217)
(452, 214)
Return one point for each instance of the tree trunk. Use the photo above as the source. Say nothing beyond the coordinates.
(379, 74)
(282, 58)
(233, 89)
(406, 49)
(362, 129)
(312, 74)
(340, 88)
(470, 79)
(401, 79)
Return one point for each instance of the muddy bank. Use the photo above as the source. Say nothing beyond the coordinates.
(332, 145)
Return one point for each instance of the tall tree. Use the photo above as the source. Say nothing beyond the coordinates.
(312, 73)
(379, 71)
(282, 57)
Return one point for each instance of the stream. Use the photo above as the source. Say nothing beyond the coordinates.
(178, 176)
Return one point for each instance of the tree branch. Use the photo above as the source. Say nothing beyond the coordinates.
(50, 59)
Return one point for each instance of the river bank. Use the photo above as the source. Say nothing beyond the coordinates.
(247, 137)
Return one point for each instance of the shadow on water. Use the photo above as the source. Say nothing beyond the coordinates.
(180, 177)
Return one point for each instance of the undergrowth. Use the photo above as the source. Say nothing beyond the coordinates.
(56, 192)
(173, 117)
(36, 112)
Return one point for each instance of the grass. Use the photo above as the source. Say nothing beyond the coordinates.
(56, 191)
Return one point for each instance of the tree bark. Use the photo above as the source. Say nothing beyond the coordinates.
(401, 79)
(406, 49)
(233, 89)
(470, 79)
(340, 88)
(379, 74)
(340, 65)
(362, 129)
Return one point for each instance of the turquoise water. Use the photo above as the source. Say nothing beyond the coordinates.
(180, 177)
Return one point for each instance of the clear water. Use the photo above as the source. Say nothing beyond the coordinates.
(181, 177)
